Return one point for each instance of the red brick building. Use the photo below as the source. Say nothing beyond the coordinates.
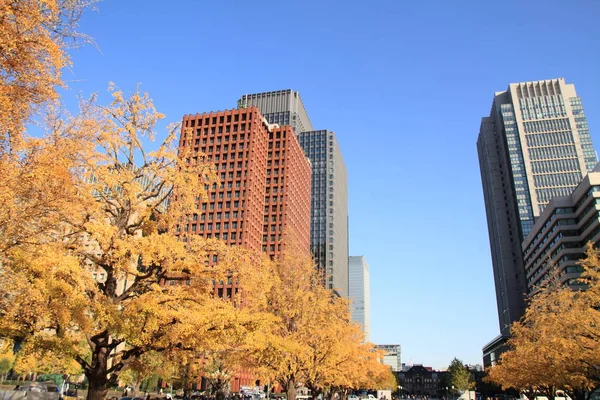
(264, 193)
(264, 196)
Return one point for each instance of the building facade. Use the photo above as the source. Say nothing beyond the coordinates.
(359, 292)
(392, 356)
(421, 381)
(283, 107)
(493, 350)
(329, 199)
(329, 208)
(534, 146)
(559, 236)
(263, 199)
(264, 191)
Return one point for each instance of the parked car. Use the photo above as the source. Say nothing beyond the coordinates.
(47, 390)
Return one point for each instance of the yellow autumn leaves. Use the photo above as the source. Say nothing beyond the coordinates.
(99, 276)
(94, 278)
(557, 344)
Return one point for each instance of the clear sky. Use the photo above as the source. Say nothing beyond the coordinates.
(404, 85)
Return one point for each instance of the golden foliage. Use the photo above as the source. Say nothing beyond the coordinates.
(33, 37)
(88, 277)
(313, 342)
(556, 345)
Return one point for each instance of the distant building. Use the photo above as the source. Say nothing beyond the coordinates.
(329, 207)
(421, 381)
(392, 356)
(283, 107)
(359, 292)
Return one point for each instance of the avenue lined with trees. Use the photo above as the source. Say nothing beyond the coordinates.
(89, 241)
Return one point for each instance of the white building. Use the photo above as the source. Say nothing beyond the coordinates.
(358, 292)
(392, 356)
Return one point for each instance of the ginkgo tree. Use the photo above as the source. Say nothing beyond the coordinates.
(34, 37)
(108, 279)
(313, 342)
(556, 346)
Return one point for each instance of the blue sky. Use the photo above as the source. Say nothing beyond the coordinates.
(404, 85)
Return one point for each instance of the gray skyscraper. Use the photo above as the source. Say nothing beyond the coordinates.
(329, 210)
(534, 146)
(359, 293)
(283, 107)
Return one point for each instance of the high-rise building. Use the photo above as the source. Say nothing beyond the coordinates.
(263, 199)
(264, 191)
(534, 146)
(329, 208)
(283, 107)
(329, 200)
(359, 293)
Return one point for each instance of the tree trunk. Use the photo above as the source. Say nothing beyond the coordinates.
(220, 392)
(345, 394)
(314, 391)
(290, 389)
(97, 373)
(97, 389)
(579, 394)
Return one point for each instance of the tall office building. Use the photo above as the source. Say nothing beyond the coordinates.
(359, 292)
(534, 146)
(329, 208)
(329, 202)
(264, 193)
(283, 107)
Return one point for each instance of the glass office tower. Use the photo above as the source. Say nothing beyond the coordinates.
(534, 146)
(329, 208)
(329, 200)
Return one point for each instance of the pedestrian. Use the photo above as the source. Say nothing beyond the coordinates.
(148, 396)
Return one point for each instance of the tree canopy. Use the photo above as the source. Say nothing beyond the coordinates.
(100, 284)
(557, 343)
(459, 377)
(314, 343)
(96, 276)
